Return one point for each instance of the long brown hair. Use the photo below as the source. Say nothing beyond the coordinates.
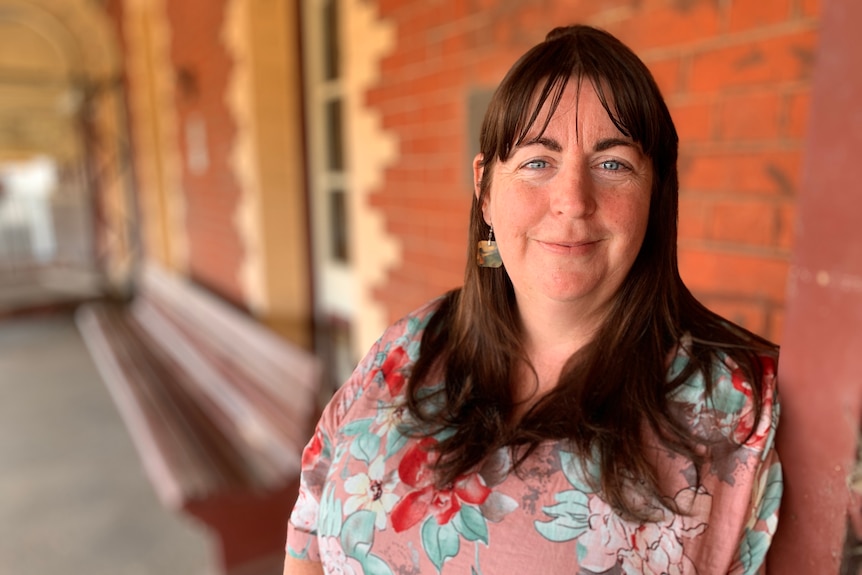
(617, 385)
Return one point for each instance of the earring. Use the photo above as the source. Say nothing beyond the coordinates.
(488, 256)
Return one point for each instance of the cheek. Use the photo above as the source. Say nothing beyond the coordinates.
(632, 217)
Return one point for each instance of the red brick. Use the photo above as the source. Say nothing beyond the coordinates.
(432, 81)
(798, 112)
(749, 222)
(454, 45)
(741, 172)
(668, 24)
(783, 58)
(425, 196)
(566, 12)
(750, 116)
(406, 56)
(747, 14)
(811, 8)
(786, 226)
(692, 217)
(693, 121)
(776, 325)
(751, 316)
(734, 274)
(448, 209)
(425, 144)
(454, 10)
(215, 248)
(667, 75)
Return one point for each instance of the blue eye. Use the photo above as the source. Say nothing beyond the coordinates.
(613, 165)
(536, 164)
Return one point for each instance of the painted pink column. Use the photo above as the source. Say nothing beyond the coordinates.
(821, 357)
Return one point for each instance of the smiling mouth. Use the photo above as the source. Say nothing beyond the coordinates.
(569, 245)
(569, 248)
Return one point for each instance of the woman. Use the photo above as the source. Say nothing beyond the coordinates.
(575, 409)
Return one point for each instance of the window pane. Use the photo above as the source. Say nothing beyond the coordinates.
(338, 225)
(330, 39)
(334, 131)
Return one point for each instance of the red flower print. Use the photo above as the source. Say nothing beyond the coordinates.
(312, 450)
(415, 470)
(745, 429)
(391, 372)
(768, 365)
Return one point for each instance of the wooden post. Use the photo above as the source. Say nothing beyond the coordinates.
(820, 372)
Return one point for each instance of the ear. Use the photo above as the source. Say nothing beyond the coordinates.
(478, 174)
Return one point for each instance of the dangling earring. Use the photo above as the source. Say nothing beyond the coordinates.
(488, 256)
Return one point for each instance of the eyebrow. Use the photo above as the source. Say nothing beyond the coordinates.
(549, 143)
(600, 146)
(609, 143)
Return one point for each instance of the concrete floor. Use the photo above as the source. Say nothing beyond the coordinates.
(73, 496)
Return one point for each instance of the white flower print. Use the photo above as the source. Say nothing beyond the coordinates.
(389, 419)
(305, 512)
(372, 492)
(335, 561)
(649, 548)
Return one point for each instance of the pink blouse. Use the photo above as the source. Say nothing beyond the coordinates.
(367, 502)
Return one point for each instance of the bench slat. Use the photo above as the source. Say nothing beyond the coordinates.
(218, 407)
(270, 458)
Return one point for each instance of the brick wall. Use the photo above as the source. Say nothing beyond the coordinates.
(735, 73)
(212, 193)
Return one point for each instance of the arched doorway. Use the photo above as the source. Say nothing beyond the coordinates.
(66, 217)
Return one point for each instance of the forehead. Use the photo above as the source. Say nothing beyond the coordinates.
(580, 103)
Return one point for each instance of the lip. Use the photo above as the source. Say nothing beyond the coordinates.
(568, 247)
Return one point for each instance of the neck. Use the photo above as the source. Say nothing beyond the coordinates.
(557, 326)
(553, 332)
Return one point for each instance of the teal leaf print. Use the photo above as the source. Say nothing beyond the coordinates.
(330, 513)
(575, 471)
(439, 541)
(358, 533)
(771, 493)
(395, 442)
(581, 550)
(365, 447)
(752, 551)
(358, 427)
(470, 523)
(340, 450)
(413, 348)
(770, 438)
(570, 517)
(726, 399)
(413, 325)
(374, 565)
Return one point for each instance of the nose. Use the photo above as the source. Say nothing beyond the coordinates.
(573, 194)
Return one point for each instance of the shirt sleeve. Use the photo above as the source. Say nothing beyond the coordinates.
(744, 476)
(381, 373)
(317, 458)
(767, 481)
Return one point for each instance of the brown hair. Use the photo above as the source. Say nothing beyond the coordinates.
(617, 384)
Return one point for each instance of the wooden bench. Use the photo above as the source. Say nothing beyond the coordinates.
(218, 407)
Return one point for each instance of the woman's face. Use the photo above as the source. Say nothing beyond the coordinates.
(569, 208)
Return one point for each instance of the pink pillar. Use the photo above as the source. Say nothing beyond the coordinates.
(820, 372)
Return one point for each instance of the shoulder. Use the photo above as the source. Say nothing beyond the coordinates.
(401, 341)
(382, 373)
(728, 400)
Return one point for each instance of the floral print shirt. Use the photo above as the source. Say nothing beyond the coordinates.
(368, 503)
